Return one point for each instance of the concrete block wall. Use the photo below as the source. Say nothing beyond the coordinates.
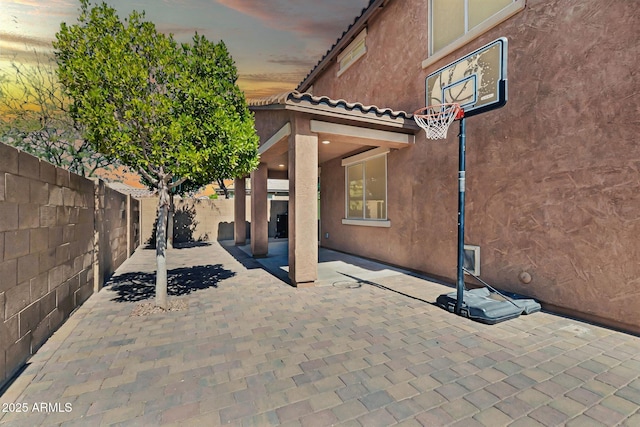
(133, 221)
(203, 220)
(117, 231)
(195, 219)
(47, 250)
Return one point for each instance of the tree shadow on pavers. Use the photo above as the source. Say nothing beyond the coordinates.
(139, 286)
(187, 245)
(184, 245)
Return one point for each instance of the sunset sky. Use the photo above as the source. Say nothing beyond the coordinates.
(274, 43)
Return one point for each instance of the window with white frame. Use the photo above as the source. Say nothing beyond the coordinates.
(354, 51)
(366, 181)
(451, 20)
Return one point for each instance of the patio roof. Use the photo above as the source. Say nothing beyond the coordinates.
(298, 98)
(133, 191)
(343, 127)
(323, 105)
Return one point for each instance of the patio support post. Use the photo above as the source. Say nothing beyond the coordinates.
(303, 205)
(240, 211)
(259, 218)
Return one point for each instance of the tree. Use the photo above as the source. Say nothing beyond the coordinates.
(36, 118)
(223, 187)
(166, 110)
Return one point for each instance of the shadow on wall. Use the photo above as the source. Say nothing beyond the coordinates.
(203, 220)
(226, 230)
(184, 225)
(138, 286)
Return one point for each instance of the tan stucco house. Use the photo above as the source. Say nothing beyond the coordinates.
(552, 177)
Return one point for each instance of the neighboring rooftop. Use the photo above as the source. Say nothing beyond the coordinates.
(136, 192)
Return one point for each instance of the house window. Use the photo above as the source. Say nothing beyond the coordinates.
(452, 20)
(352, 52)
(366, 186)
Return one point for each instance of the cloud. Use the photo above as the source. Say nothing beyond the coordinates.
(290, 78)
(181, 31)
(325, 19)
(23, 39)
(293, 61)
(66, 8)
(259, 85)
(263, 92)
(52, 3)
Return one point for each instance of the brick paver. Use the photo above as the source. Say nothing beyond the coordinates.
(252, 351)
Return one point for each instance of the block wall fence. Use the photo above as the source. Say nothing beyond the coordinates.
(61, 237)
(203, 219)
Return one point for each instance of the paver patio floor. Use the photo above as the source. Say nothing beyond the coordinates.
(252, 350)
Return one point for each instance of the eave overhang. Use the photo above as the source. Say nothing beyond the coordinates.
(342, 127)
(339, 111)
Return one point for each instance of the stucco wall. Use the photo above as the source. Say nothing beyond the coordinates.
(390, 73)
(268, 124)
(49, 264)
(552, 178)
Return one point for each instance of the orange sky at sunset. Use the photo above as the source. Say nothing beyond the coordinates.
(274, 43)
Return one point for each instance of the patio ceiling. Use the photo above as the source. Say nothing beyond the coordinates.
(342, 128)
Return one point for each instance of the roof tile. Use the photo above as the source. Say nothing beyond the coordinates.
(295, 97)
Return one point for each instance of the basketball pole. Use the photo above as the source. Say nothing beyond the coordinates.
(461, 192)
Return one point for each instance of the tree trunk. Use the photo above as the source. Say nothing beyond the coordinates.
(172, 209)
(224, 188)
(161, 245)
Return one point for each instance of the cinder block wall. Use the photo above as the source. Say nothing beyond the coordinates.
(203, 220)
(48, 241)
(195, 219)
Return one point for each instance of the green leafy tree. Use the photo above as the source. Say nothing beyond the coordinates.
(35, 118)
(186, 187)
(162, 108)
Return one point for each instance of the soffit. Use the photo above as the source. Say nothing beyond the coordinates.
(349, 127)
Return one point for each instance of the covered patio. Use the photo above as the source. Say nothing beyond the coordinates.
(342, 270)
(298, 132)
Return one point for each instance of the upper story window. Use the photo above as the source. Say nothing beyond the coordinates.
(454, 23)
(354, 51)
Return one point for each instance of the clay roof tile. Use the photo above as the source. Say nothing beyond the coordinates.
(294, 97)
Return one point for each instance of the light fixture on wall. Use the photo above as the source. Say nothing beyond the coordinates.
(281, 165)
(325, 142)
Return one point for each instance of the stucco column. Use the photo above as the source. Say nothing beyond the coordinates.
(259, 218)
(240, 211)
(303, 207)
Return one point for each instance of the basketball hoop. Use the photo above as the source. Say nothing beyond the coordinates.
(435, 119)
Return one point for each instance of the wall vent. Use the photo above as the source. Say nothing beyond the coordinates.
(472, 259)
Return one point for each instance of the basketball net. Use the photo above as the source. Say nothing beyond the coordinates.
(435, 119)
